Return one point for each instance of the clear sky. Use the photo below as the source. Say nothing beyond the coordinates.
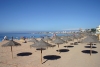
(48, 15)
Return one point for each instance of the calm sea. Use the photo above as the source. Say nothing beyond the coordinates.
(18, 35)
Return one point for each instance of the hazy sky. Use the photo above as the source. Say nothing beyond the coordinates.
(47, 15)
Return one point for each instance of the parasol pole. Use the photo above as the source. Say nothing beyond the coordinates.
(66, 41)
(73, 40)
(90, 48)
(58, 45)
(12, 51)
(41, 55)
(11, 48)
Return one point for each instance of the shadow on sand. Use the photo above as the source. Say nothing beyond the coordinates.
(40, 49)
(92, 44)
(88, 51)
(71, 43)
(62, 50)
(69, 46)
(75, 43)
(51, 57)
(79, 41)
(90, 47)
(24, 54)
(53, 46)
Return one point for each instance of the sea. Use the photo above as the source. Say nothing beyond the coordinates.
(27, 35)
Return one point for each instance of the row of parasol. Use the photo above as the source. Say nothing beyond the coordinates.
(43, 43)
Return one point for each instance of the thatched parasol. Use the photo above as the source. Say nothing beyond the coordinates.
(41, 44)
(90, 39)
(55, 37)
(70, 38)
(11, 43)
(33, 40)
(65, 38)
(47, 38)
(58, 41)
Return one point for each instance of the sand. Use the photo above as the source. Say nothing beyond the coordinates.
(72, 58)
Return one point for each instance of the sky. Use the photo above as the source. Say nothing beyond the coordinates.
(48, 15)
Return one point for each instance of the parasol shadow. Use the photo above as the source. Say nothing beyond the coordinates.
(75, 43)
(24, 54)
(71, 43)
(91, 44)
(62, 50)
(90, 47)
(69, 46)
(88, 51)
(51, 57)
(53, 45)
(41, 49)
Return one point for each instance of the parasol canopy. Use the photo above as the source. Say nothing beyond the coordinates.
(11, 43)
(41, 44)
(58, 41)
(33, 40)
(47, 38)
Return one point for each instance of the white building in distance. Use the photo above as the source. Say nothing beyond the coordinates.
(98, 30)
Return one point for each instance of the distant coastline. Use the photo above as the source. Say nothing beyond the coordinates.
(28, 32)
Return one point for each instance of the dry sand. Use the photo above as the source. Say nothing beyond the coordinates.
(73, 58)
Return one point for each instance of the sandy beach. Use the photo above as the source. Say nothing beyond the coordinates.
(68, 32)
(71, 57)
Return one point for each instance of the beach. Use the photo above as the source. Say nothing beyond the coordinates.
(73, 57)
(47, 33)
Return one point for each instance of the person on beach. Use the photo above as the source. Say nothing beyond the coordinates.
(42, 37)
(23, 39)
(5, 38)
(32, 36)
(54, 34)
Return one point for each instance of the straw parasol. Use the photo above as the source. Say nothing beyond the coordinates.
(58, 41)
(76, 36)
(11, 43)
(47, 38)
(65, 38)
(70, 38)
(41, 44)
(90, 39)
(55, 37)
(33, 40)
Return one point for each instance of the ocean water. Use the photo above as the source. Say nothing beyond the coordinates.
(27, 35)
